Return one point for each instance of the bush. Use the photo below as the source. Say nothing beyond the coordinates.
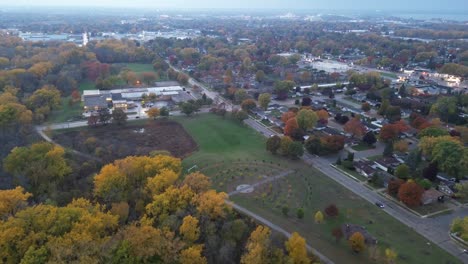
(300, 213)
(332, 210)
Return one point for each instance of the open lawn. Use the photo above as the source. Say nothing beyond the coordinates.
(389, 75)
(361, 147)
(140, 67)
(86, 85)
(232, 154)
(67, 112)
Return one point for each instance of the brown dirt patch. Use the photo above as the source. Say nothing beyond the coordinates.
(112, 142)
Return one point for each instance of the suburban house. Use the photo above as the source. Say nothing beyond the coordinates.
(386, 163)
(431, 196)
(365, 168)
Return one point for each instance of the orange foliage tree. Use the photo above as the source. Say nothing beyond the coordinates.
(410, 193)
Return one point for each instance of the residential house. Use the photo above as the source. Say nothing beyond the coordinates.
(386, 163)
(365, 168)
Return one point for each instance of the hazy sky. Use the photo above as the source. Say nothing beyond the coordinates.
(423, 5)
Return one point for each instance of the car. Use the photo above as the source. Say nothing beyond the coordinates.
(380, 205)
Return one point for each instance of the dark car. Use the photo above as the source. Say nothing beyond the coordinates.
(380, 205)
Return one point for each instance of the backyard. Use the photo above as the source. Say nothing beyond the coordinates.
(232, 154)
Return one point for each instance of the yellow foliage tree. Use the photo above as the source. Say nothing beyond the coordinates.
(192, 255)
(297, 251)
(390, 255)
(161, 182)
(212, 204)
(427, 144)
(153, 112)
(189, 229)
(198, 182)
(121, 210)
(12, 201)
(169, 202)
(125, 179)
(357, 242)
(258, 246)
(318, 217)
(400, 146)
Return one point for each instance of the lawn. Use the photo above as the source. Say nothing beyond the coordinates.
(361, 147)
(231, 154)
(352, 173)
(389, 75)
(67, 113)
(140, 67)
(86, 85)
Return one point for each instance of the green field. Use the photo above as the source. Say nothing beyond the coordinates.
(226, 149)
(389, 75)
(67, 112)
(140, 67)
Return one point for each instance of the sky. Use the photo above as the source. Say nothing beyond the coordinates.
(407, 5)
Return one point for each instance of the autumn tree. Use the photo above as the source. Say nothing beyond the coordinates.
(337, 233)
(410, 193)
(149, 77)
(273, 144)
(126, 179)
(332, 210)
(43, 101)
(159, 183)
(390, 255)
(189, 229)
(284, 146)
(240, 95)
(366, 107)
(46, 166)
(291, 126)
(357, 242)
(248, 105)
(433, 131)
(49, 232)
(296, 248)
(153, 113)
(119, 117)
(170, 201)
(198, 182)
(318, 217)
(264, 100)
(11, 201)
(260, 76)
(258, 246)
(393, 186)
(389, 133)
(193, 255)
(306, 119)
(451, 157)
(212, 204)
(323, 116)
(287, 116)
(400, 146)
(355, 127)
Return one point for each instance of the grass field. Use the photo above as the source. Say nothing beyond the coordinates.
(361, 147)
(67, 112)
(140, 67)
(389, 75)
(225, 144)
